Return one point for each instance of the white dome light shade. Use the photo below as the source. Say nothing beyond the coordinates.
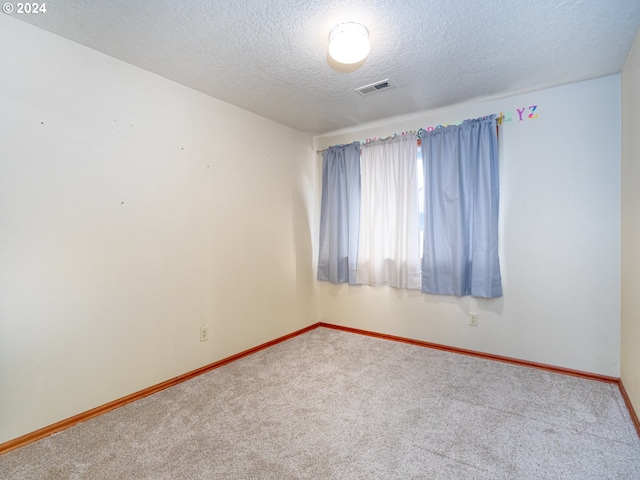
(349, 43)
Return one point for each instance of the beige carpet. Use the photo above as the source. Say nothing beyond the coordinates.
(336, 405)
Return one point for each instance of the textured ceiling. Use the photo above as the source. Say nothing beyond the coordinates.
(270, 57)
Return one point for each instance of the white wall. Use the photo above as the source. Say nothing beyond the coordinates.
(630, 313)
(132, 211)
(559, 236)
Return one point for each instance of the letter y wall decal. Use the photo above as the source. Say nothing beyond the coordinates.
(523, 114)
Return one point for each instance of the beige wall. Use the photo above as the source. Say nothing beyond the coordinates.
(132, 211)
(559, 238)
(630, 313)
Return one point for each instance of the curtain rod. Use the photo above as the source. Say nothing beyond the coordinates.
(395, 135)
(375, 139)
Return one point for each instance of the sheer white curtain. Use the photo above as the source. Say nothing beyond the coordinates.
(389, 243)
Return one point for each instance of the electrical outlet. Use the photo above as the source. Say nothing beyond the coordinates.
(473, 319)
(204, 334)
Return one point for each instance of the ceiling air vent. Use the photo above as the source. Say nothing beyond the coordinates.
(374, 87)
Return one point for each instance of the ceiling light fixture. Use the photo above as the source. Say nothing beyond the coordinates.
(349, 43)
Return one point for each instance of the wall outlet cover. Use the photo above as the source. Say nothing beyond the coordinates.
(204, 334)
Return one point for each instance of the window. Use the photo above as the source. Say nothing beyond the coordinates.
(409, 216)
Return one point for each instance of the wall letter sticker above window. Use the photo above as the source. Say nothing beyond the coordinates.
(522, 114)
